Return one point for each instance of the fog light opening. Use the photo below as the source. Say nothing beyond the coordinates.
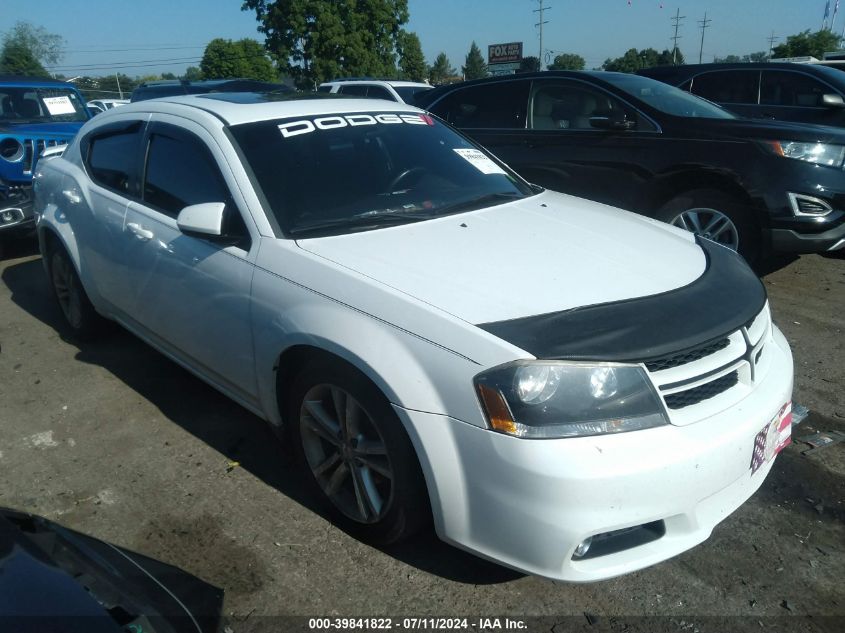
(10, 216)
(619, 540)
(583, 547)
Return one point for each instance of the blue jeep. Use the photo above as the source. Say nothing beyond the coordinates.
(34, 114)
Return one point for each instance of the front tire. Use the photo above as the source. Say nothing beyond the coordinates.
(717, 216)
(355, 453)
(79, 315)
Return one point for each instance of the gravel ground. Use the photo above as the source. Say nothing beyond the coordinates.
(114, 440)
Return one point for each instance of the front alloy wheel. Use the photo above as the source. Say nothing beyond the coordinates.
(346, 453)
(710, 224)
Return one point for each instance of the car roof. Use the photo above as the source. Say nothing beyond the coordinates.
(389, 82)
(35, 82)
(235, 108)
(429, 96)
(687, 70)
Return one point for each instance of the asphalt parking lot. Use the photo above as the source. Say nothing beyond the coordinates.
(112, 439)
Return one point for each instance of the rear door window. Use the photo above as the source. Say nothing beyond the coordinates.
(378, 92)
(497, 106)
(789, 88)
(355, 89)
(112, 158)
(728, 86)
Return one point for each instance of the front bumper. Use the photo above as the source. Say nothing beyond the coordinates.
(790, 240)
(528, 503)
(17, 212)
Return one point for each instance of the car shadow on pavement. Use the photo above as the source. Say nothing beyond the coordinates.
(221, 423)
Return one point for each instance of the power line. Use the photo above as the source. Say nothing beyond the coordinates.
(138, 62)
(704, 24)
(126, 50)
(677, 20)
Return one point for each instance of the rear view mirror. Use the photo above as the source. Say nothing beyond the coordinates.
(204, 219)
(832, 100)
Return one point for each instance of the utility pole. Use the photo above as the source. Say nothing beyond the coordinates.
(118, 85)
(772, 39)
(540, 24)
(703, 24)
(677, 20)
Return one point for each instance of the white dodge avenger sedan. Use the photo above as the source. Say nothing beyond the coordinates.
(565, 388)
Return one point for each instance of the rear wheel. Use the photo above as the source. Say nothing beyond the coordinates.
(356, 453)
(717, 216)
(79, 314)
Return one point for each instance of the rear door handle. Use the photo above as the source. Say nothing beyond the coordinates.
(140, 232)
(72, 196)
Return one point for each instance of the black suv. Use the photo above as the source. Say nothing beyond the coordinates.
(172, 88)
(645, 146)
(807, 93)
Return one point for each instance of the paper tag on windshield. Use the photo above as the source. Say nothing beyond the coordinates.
(477, 159)
(59, 105)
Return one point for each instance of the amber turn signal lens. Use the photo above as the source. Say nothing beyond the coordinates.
(498, 412)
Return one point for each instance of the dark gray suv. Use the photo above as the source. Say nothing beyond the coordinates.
(807, 93)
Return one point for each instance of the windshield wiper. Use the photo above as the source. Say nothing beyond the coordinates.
(362, 221)
(480, 201)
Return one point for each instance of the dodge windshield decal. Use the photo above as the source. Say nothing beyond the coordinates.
(306, 126)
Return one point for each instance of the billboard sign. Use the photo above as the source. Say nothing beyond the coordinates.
(504, 53)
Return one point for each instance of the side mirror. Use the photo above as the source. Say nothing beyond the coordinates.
(608, 123)
(832, 100)
(204, 219)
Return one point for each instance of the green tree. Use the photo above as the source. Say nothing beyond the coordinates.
(807, 43)
(168, 76)
(568, 61)
(411, 59)
(256, 64)
(634, 60)
(474, 66)
(529, 65)
(16, 59)
(316, 40)
(192, 73)
(225, 59)
(46, 48)
(757, 57)
(440, 70)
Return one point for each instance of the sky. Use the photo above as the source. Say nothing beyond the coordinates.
(155, 36)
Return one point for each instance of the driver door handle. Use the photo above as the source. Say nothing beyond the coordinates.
(140, 232)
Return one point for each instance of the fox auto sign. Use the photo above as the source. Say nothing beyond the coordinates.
(504, 53)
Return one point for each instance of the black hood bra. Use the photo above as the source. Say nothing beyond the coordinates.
(726, 297)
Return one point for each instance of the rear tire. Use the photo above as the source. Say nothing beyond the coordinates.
(79, 315)
(356, 455)
(717, 216)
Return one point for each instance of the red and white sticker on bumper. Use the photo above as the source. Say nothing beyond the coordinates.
(773, 438)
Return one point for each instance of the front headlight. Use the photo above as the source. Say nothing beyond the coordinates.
(818, 153)
(553, 399)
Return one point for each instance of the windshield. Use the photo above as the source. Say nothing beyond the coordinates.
(666, 98)
(40, 105)
(353, 172)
